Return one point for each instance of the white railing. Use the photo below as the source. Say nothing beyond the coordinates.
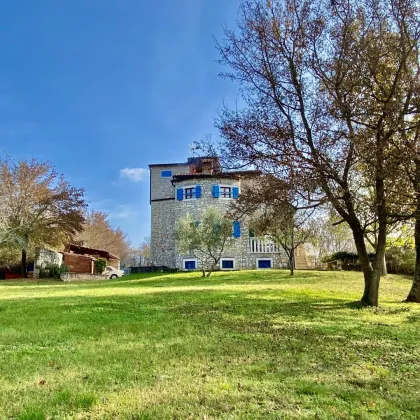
(263, 246)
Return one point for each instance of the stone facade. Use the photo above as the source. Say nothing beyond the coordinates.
(166, 209)
(45, 257)
(162, 199)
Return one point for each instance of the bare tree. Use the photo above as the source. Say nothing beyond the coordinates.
(325, 87)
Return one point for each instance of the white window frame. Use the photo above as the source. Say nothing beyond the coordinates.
(227, 259)
(188, 260)
(265, 259)
(231, 191)
(184, 188)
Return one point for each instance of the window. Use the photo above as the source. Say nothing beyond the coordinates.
(227, 263)
(225, 192)
(166, 174)
(264, 263)
(190, 264)
(189, 193)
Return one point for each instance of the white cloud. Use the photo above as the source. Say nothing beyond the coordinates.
(133, 174)
(122, 211)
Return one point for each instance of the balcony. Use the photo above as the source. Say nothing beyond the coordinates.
(263, 246)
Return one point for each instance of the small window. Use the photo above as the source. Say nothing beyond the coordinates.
(264, 263)
(189, 193)
(166, 174)
(190, 264)
(225, 192)
(227, 264)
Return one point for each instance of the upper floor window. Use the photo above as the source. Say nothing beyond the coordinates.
(189, 193)
(225, 192)
(166, 174)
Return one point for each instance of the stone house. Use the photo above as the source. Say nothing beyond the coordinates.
(177, 189)
(79, 259)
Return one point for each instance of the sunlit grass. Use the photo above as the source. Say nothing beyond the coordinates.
(256, 344)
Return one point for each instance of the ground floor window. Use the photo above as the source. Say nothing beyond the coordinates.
(227, 263)
(264, 263)
(190, 264)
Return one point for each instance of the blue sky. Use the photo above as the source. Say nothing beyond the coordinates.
(102, 88)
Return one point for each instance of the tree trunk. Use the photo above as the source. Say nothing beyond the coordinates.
(292, 249)
(203, 272)
(373, 298)
(292, 263)
(384, 270)
(366, 266)
(23, 264)
(414, 295)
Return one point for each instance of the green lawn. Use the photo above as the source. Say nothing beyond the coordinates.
(254, 344)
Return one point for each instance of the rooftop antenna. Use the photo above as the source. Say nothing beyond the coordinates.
(194, 146)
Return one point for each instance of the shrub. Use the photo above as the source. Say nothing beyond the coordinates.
(400, 260)
(348, 260)
(100, 265)
(53, 271)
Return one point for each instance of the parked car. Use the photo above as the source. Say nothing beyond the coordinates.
(112, 273)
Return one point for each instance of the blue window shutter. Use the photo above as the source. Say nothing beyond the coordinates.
(236, 229)
(216, 192)
(180, 194)
(235, 192)
(198, 191)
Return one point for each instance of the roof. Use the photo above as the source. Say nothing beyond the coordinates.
(191, 161)
(234, 175)
(168, 164)
(84, 250)
(78, 255)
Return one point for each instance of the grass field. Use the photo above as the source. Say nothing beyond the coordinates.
(256, 344)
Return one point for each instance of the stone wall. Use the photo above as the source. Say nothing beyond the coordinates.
(162, 188)
(68, 277)
(162, 218)
(46, 256)
(78, 263)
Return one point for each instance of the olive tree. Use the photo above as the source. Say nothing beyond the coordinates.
(205, 239)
